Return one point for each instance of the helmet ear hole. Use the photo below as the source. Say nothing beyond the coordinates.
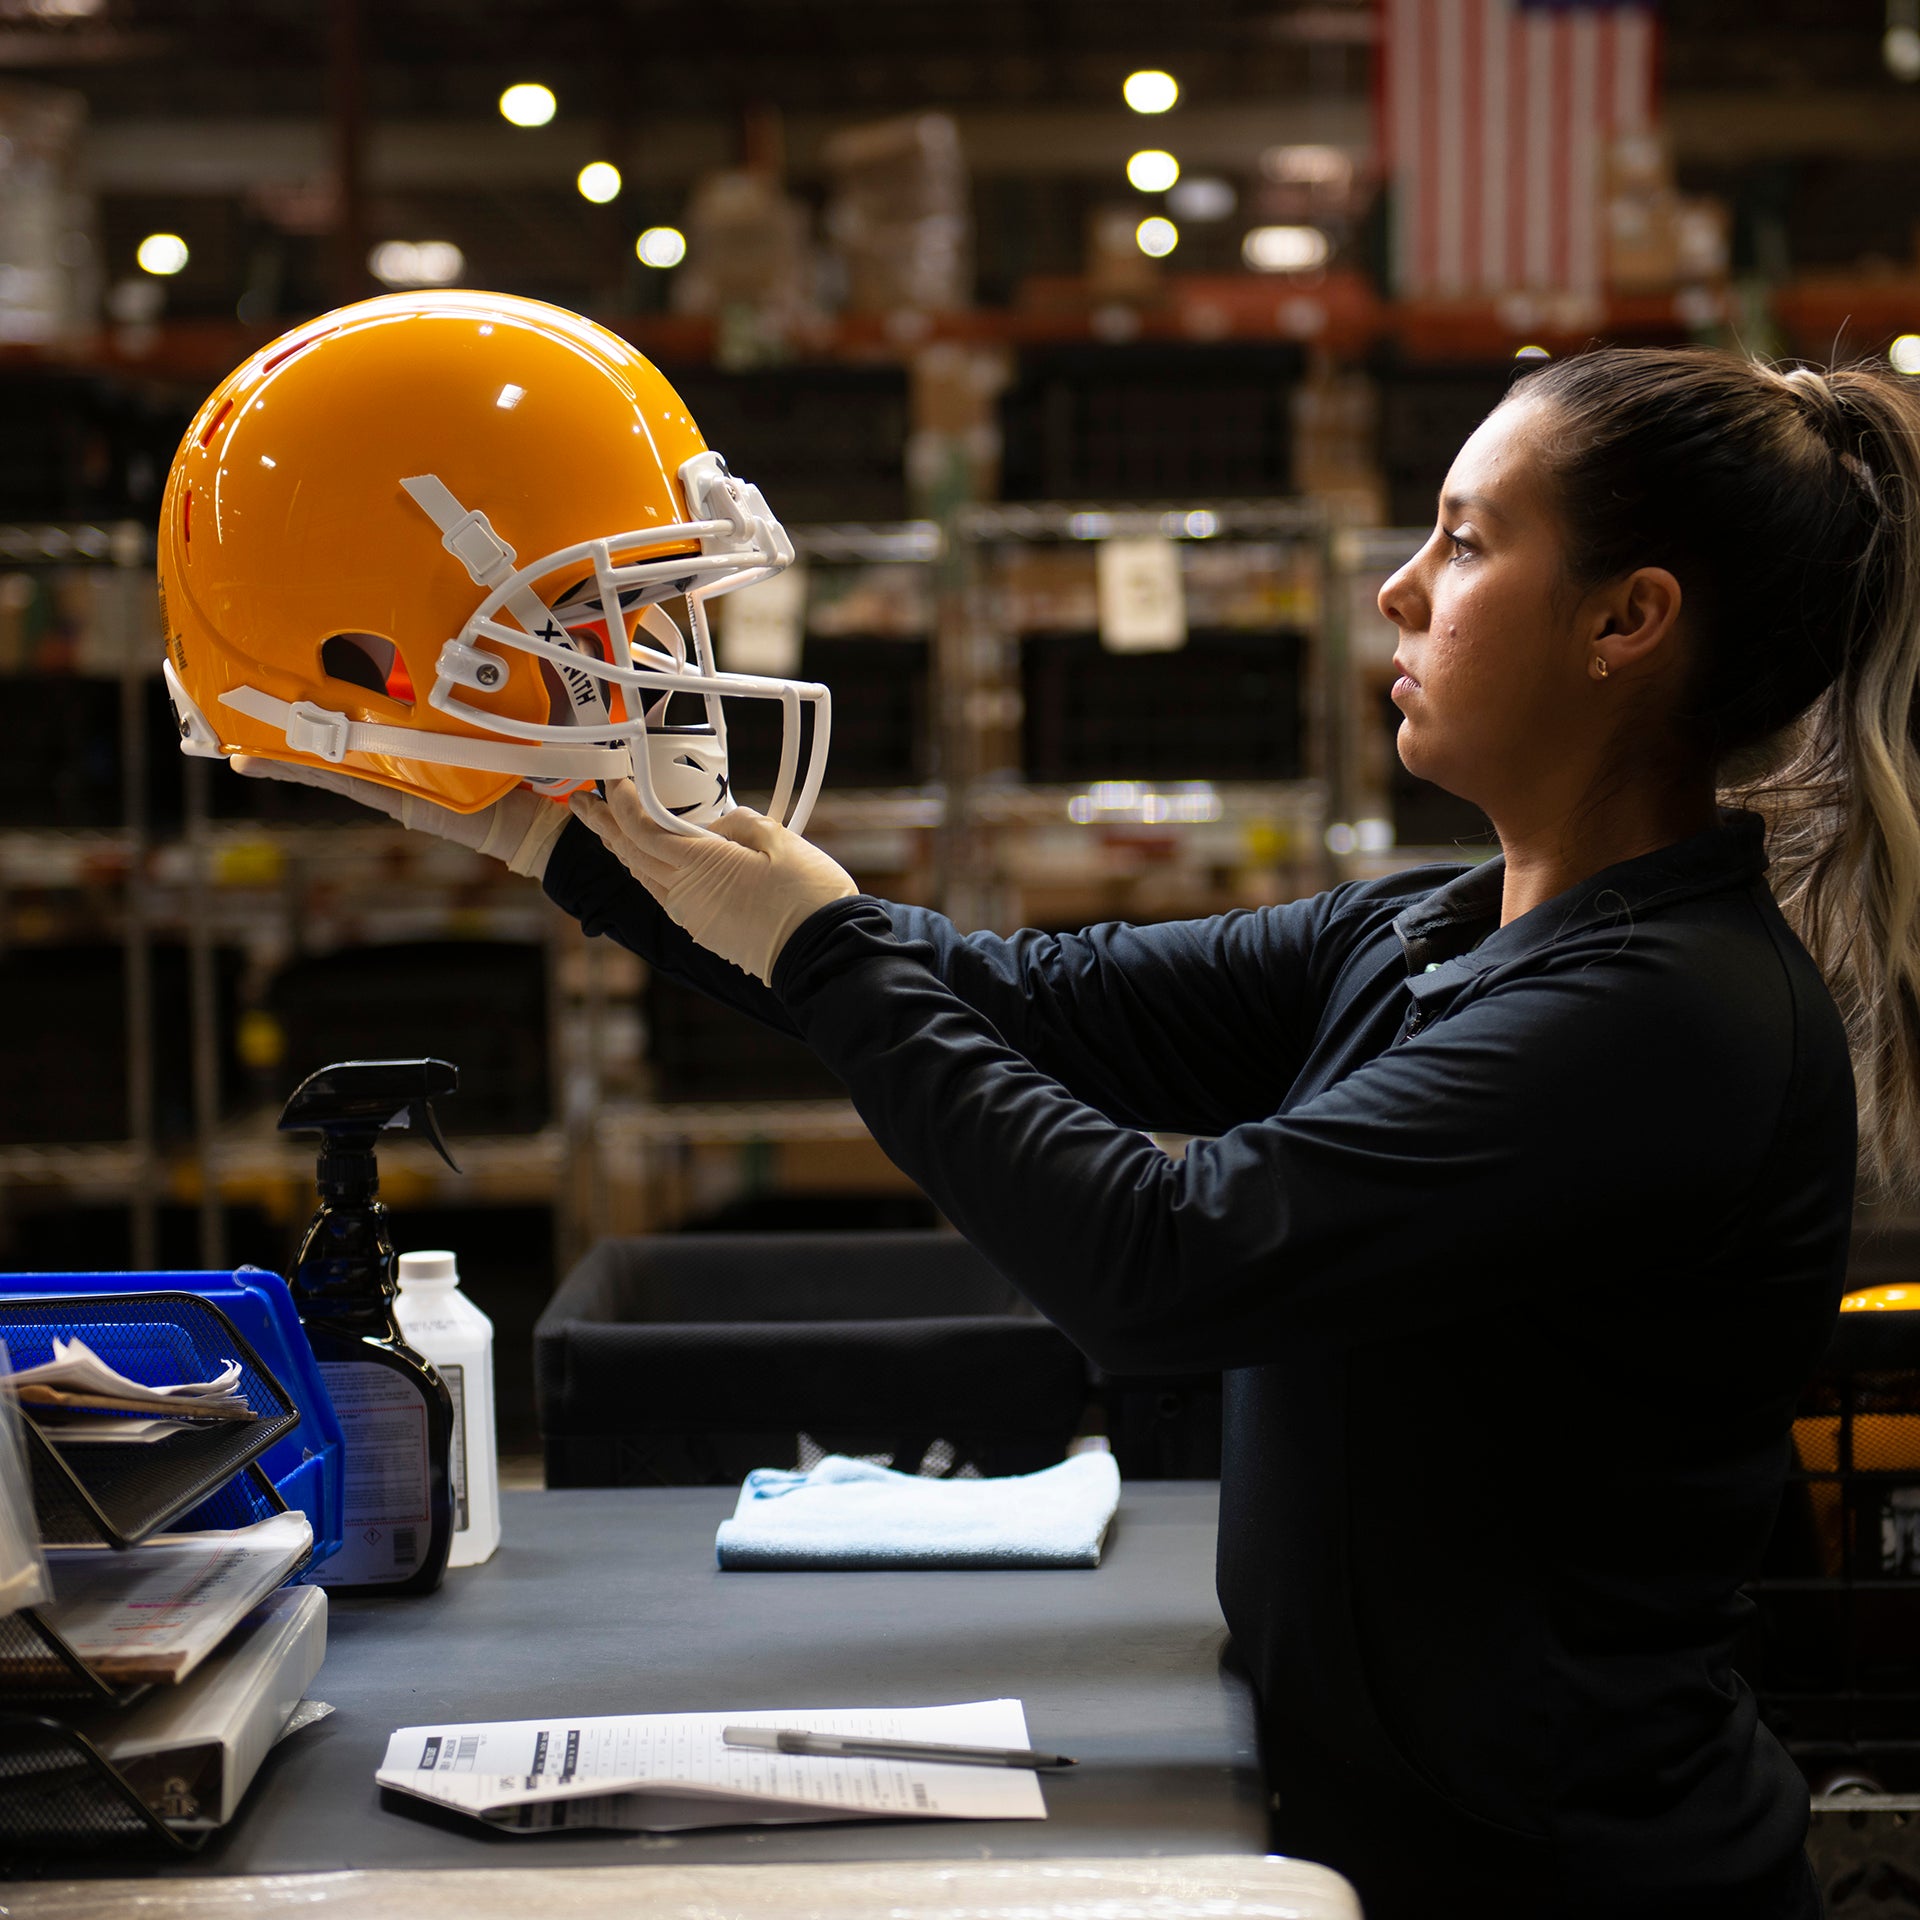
(365, 660)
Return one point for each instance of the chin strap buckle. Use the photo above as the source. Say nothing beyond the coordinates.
(312, 729)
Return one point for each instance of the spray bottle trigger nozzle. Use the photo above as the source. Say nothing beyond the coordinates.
(430, 1126)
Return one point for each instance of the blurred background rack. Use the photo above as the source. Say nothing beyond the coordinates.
(190, 944)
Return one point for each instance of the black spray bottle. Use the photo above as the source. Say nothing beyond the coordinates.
(395, 1411)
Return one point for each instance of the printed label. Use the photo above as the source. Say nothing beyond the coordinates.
(456, 1379)
(383, 1421)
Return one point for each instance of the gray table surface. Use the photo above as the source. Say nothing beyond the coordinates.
(608, 1601)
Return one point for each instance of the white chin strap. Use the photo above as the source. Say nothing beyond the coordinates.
(680, 774)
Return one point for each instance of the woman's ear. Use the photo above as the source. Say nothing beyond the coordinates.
(1636, 619)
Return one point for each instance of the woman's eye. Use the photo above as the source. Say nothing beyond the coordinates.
(1460, 548)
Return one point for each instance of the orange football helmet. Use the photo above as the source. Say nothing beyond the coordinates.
(341, 581)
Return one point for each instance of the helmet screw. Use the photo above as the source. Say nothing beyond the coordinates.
(488, 676)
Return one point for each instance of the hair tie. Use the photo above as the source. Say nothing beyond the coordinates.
(1825, 409)
(1863, 473)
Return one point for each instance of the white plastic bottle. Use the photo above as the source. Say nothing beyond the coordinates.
(441, 1323)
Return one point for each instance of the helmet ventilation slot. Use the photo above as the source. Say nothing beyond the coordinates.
(213, 426)
(368, 661)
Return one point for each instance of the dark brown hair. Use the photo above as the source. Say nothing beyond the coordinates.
(1787, 504)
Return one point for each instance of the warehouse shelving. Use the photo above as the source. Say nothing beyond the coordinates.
(977, 838)
(1338, 311)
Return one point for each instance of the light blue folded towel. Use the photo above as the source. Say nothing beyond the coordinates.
(848, 1514)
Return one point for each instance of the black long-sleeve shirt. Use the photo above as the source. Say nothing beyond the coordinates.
(1515, 1244)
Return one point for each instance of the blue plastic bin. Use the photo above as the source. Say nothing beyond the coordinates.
(307, 1468)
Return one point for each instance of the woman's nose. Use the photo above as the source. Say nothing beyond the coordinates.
(1402, 601)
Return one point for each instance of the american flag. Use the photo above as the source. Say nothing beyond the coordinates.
(1496, 120)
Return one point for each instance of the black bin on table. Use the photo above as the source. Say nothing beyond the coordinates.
(690, 1359)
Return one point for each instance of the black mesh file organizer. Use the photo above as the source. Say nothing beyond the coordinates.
(1833, 1647)
(123, 1495)
(56, 1790)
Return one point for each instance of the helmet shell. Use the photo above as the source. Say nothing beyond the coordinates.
(284, 522)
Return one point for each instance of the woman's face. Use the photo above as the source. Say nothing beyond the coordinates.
(1492, 660)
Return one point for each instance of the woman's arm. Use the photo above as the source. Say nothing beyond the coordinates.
(1510, 1146)
(1217, 1013)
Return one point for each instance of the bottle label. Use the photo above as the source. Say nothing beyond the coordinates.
(388, 1520)
(456, 1379)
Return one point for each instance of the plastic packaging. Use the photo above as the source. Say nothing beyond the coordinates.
(23, 1564)
(442, 1323)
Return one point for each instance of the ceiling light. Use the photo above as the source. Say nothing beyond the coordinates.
(1905, 353)
(416, 263)
(161, 253)
(661, 247)
(599, 181)
(1156, 237)
(1152, 171)
(1150, 91)
(1285, 249)
(528, 105)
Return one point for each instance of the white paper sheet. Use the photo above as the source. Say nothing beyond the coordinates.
(666, 1772)
(111, 1430)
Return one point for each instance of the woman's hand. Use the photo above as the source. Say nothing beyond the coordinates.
(741, 895)
(519, 828)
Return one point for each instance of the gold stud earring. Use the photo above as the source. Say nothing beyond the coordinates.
(1599, 667)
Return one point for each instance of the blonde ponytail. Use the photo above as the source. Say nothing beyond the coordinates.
(1843, 804)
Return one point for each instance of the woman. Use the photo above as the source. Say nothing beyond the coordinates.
(1522, 1210)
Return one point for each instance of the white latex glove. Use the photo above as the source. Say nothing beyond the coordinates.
(741, 895)
(519, 828)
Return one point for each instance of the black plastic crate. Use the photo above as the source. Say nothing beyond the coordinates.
(821, 442)
(63, 767)
(480, 1003)
(1226, 706)
(701, 1050)
(63, 1070)
(78, 447)
(880, 722)
(1426, 415)
(1150, 423)
(692, 1359)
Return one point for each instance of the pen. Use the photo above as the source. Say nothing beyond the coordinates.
(851, 1746)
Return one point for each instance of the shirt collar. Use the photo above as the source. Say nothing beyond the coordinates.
(1455, 931)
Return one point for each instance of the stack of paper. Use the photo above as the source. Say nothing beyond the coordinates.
(666, 1772)
(79, 1400)
(76, 1398)
(155, 1611)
